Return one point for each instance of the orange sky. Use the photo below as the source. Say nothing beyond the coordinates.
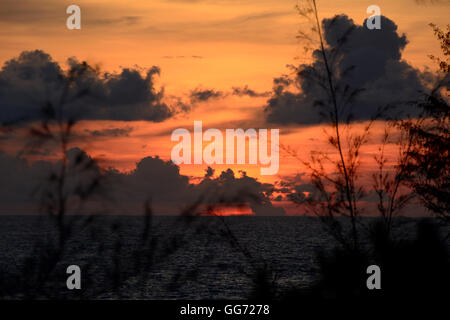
(240, 42)
(215, 44)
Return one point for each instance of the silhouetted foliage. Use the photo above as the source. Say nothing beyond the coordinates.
(428, 167)
(412, 266)
(337, 193)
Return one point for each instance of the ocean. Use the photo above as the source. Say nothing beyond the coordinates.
(171, 258)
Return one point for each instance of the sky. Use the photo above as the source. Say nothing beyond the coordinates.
(216, 62)
(223, 43)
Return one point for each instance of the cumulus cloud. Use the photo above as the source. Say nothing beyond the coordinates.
(296, 188)
(25, 183)
(176, 192)
(245, 91)
(152, 178)
(368, 59)
(202, 95)
(33, 82)
(227, 189)
(28, 187)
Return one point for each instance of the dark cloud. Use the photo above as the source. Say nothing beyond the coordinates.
(245, 91)
(111, 132)
(176, 192)
(202, 95)
(26, 187)
(24, 183)
(227, 189)
(295, 188)
(18, 183)
(36, 152)
(33, 81)
(368, 59)
(133, 189)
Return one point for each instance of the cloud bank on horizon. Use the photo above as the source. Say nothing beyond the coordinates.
(25, 184)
